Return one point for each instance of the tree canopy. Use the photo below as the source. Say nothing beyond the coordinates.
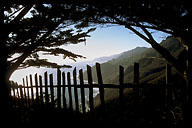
(47, 27)
(44, 28)
(141, 17)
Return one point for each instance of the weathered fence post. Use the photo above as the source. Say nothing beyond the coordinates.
(31, 83)
(21, 96)
(28, 96)
(46, 89)
(17, 88)
(100, 82)
(64, 99)
(59, 88)
(69, 91)
(41, 90)
(121, 82)
(82, 91)
(51, 89)
(90, 82)
(75, 90)
(37, 89)
(24, 87)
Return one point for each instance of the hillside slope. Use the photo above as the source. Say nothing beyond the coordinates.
(151, 66)
(110, 68)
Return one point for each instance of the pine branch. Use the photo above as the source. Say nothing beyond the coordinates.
(12, 25)
(41, 63)
(67, 38)
(65, 53)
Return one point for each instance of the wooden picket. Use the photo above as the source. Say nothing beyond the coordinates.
(69, 91)
(59, 89)
(64, 98)
(82, 91)
(75, 90)
(100, 83)
(90, 82)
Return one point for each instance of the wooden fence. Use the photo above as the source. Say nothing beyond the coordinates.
(31, 94)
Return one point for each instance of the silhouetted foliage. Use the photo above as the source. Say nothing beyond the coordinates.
(33, 29)
(143, 17)
(40, 28)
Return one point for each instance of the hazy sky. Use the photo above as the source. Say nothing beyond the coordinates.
(107, 41)
(103, 42)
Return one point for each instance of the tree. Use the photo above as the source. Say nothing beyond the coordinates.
(44, 30)
(34, 29)
(142, 18)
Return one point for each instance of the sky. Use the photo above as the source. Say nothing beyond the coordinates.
(107, 41)
(104, 41)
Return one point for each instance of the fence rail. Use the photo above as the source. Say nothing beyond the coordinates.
(30, 94)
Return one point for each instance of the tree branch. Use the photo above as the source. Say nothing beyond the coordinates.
(164, 52)
(131, 24)
(33, 46)
(42, 63)
(161, 50)
(28, 51)
(57, 51)
(12, 25)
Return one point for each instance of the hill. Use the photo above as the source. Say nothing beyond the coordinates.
(110, 68)
(152, 66)
(150, 62)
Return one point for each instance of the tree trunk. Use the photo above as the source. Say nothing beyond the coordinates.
(188, 76)
(4, 94)
(15, 66)
(5, 107)
(189, 72)
(185, 40)
(161, 50)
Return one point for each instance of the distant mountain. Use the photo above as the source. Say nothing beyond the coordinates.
(106, 58)
(82, 65)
